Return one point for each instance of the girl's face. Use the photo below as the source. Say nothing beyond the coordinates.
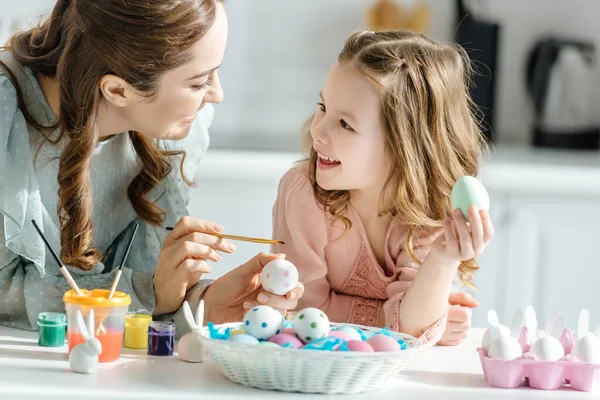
(348, 134)
(184, 90)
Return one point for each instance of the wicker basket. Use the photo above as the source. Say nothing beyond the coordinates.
(292, 370)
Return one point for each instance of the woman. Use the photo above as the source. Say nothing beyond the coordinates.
(104, 110)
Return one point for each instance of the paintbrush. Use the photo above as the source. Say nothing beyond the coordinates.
(63, 269)
(118, 275)
(241, 238)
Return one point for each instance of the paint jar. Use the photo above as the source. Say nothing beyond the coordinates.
(51, 329)
(136, 331)
(109, 319)
(161, 338)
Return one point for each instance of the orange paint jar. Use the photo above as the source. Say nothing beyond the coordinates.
(109, 319)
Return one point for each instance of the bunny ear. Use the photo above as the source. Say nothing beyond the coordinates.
(189, 318)
(531, 324)
(494, 331)
(200, 314)
(493, 318)
(583, 325)
(551, 320)
(559, 326)
(517, 324)
(81, 324)
(597, 331)
(91, 324)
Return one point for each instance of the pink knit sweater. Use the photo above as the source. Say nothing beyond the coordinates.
(342, 277)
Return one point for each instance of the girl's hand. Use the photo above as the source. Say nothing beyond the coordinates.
(463, 240)
(459, 319)
(183, 259)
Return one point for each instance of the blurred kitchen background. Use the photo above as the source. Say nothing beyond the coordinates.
(538, 86)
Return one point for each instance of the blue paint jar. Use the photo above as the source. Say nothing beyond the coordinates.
(161, 338)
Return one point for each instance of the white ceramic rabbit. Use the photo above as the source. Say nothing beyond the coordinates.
(493, 321)
(587, 346)
(191, 346)
(507, 347)
(84, 356)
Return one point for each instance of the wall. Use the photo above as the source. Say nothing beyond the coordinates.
(279, 54)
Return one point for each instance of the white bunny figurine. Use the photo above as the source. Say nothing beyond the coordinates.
(587, 346)
(506, 347)
(549, 347)
(493, 321)
(191, 346)
(84, 356)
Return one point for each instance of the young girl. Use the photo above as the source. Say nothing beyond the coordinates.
(367, 218)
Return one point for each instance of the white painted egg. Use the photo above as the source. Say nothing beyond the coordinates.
(262, 322)
(310, 324)
(486, 342)
(587, 349)
(547, 348)
(279, 277)
(505, 348)
(469, 191)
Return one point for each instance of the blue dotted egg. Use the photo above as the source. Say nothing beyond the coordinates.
(262, 322)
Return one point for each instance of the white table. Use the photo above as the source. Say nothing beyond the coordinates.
(28, 371)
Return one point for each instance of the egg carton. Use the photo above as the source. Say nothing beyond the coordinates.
(546, 375)
(503, 370)
(293, 370)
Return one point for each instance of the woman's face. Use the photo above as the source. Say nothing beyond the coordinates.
(184, 90)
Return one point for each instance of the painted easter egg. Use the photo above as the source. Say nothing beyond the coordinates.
(352, 332)
(234, 332)
(341, 335)
(469, 191)
(268, 344)
(243, 338)
(262, 322)
(383, 343)
(359, 345)
(279, 277)
(283, 338)
(310, 324)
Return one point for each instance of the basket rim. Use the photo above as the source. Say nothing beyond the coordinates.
(414, 345)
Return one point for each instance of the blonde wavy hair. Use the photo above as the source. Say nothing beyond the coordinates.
(433, 136)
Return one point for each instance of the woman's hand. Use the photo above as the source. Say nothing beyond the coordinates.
(183, 259)
(228, 297)
(463, 241)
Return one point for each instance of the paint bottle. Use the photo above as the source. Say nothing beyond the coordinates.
(161, 338)
(136, 331)
(51, 329)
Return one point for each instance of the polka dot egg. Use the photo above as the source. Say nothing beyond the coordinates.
(279, 277)
(262, 322)
(311, 324)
